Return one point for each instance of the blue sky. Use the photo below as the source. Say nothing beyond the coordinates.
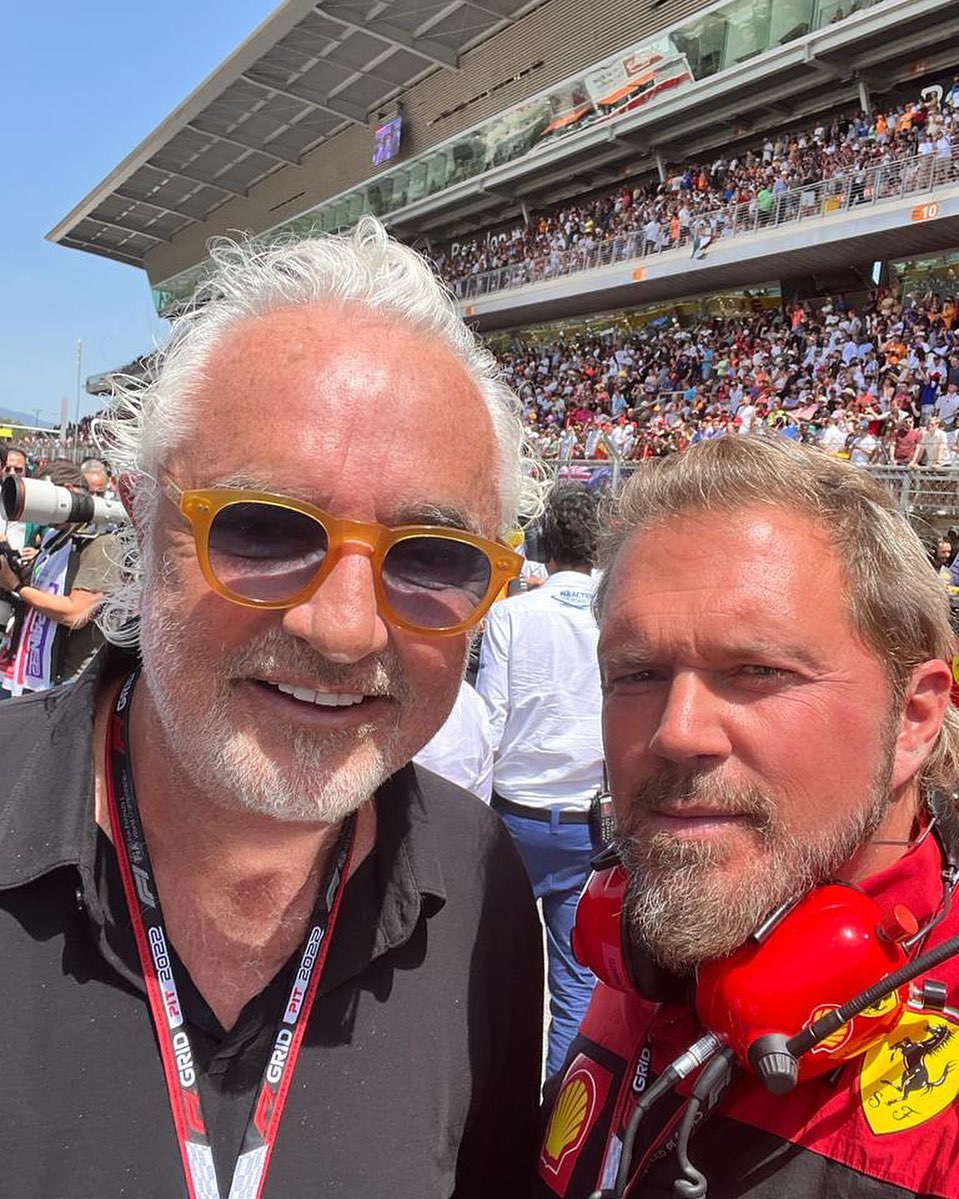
(80, 86)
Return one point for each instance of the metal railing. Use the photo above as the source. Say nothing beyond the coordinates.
(932, 491)
(862, 187)
(927, 491)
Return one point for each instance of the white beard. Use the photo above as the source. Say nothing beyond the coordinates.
(324, 777)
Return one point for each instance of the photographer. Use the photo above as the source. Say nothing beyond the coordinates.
(13, 533)
(58, 593)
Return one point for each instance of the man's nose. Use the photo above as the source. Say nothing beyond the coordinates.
(341, 620)
(691, 725)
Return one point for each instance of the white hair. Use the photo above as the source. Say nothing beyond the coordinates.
(365, 268)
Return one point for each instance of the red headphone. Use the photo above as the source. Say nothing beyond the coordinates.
(832, 945)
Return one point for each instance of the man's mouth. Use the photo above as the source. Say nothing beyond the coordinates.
(323, 699)
(697, 812)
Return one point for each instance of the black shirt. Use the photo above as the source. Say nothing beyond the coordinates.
(419, 1071)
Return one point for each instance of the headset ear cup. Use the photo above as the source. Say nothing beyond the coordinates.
(597, 929)
(603, 943)
(651, 980)
(835, 943)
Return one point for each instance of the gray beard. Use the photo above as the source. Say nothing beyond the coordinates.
(683, 904)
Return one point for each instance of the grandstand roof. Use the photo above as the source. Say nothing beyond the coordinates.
(881, 47)
(309, 71)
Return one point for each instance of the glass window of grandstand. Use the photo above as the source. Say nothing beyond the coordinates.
(469, 158)
(919, 279)
(439, 170)
(702, 42)
(417, 184)
(747, 30)
(831, 11)
(379, 196)
(400, 181)
(790, 19)
(308, 225)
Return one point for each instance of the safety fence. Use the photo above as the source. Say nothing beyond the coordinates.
(923, 491)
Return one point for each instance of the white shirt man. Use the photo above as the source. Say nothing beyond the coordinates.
(933, 449)
(833, 438)
(539, 677)
(544, 718)
(947, 407)
(747, 416)
(462, 750)
(865, 448)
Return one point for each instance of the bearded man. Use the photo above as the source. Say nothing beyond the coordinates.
(225, 893)
(773, 650)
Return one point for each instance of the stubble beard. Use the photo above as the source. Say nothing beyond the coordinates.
(323, 777)
(686, 904)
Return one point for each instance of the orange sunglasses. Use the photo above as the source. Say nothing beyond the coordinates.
(272, 551)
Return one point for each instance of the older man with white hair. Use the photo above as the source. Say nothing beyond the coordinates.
(225, 893)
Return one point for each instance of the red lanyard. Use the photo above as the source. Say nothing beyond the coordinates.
(177, 1056)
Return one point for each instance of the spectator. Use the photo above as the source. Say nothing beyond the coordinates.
(941, 558)
(96, 475)
(906, 442)
(865, 447)
(933, 448)
(14, 532)
(462, 749)
(539, 678)
(797, 174)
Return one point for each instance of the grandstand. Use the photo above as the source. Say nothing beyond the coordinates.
(505, 107)
(592, 171)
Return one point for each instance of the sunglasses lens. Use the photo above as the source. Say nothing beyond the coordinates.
(435, 582)
(265, 552)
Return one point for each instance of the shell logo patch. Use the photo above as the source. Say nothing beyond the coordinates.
(843, 1034)
(582, 1095)
(913, 1074)
(835, 1040)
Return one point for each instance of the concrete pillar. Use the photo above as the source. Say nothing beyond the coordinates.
(660, 167)
(865, 100)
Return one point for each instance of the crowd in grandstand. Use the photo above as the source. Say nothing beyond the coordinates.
(816, 371)
(866, 383)
(696, 203)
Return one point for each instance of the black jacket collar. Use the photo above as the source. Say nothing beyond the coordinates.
(47, 808)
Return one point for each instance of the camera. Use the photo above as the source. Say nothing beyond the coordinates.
(44, 503)
(12, 556)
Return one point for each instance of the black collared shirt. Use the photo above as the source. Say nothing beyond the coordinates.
(419, 1071)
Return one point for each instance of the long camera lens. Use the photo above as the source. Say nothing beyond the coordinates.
(40, 502)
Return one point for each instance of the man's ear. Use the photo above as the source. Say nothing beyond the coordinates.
(924, 707)
(127, 489)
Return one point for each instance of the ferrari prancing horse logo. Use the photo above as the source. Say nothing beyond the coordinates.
(913, 1075)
